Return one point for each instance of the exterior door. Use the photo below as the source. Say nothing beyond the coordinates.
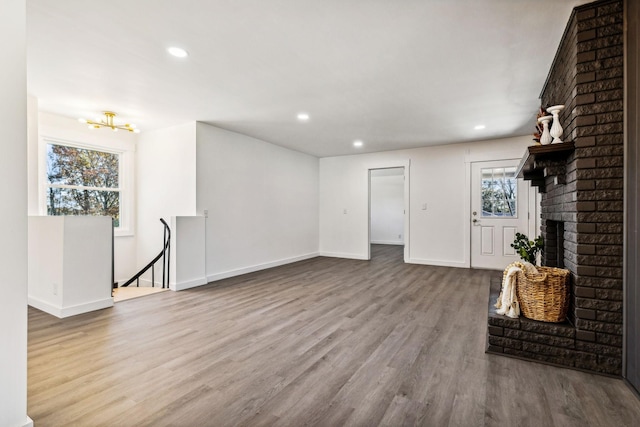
(499, 210)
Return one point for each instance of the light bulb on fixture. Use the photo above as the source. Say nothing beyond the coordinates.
(108, 122)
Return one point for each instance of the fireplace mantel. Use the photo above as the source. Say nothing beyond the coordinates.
(541, 161)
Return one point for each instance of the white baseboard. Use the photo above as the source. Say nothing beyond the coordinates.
(258, 267)
(439, 263)
(45, 306)
(87, 307)
(181, 286)
(62, 312)
(387, 242)
(344, 255)
(29, 423)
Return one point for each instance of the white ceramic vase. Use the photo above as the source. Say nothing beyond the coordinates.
(556, 128)
(545, 138)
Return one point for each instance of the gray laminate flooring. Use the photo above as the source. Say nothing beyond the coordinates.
(325, 342)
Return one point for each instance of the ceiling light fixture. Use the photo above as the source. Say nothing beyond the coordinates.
(303, 117)
(178, 52)
(108, 122)
(479, 127)
(358, 143)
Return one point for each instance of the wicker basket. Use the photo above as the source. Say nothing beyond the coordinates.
(544, 296)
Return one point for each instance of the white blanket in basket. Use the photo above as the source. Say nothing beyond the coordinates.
(507, 303)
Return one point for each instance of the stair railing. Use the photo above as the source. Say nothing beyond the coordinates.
(165, 254)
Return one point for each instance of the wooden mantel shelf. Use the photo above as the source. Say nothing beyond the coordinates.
(535, 163)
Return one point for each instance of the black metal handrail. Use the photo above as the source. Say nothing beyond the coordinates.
(165, 254)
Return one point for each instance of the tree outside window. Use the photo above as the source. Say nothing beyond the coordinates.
(82, 182)
(499, 192)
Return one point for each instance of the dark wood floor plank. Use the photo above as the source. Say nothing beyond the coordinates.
(323, 342)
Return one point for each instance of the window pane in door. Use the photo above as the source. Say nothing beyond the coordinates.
(499, 192)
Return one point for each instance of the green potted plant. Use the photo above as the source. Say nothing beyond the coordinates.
(527, 249)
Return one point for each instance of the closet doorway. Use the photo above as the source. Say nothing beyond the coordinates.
(387, 212)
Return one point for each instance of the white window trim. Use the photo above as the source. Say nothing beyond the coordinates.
(125, 171)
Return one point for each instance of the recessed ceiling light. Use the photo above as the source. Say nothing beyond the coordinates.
(177, 52)
(479, 127)
(358, 143)
(303, 117)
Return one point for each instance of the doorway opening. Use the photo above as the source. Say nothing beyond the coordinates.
(388, 224)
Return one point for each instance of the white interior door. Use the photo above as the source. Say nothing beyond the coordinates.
(499, 210)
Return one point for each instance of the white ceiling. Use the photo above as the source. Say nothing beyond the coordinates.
(393, 73)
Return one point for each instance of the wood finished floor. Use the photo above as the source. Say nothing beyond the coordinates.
(324, 342)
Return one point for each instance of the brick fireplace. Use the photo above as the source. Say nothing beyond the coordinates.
(582, 200)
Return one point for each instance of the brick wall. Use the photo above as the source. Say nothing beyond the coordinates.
(586, 195)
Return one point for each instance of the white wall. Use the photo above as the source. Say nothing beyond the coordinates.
(70, 130)
(69, 264)
(439, 178)
(387, 206)
(87, 267)
(13, 221)
(32, 155)
(166, 186)
(262, 202)
(188, 252)
(45, 248)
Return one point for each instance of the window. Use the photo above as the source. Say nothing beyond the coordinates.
(499, 192)
(83, 181)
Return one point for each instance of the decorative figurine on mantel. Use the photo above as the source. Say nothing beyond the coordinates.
(545, 138)
(542, 135)
(556, 129)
